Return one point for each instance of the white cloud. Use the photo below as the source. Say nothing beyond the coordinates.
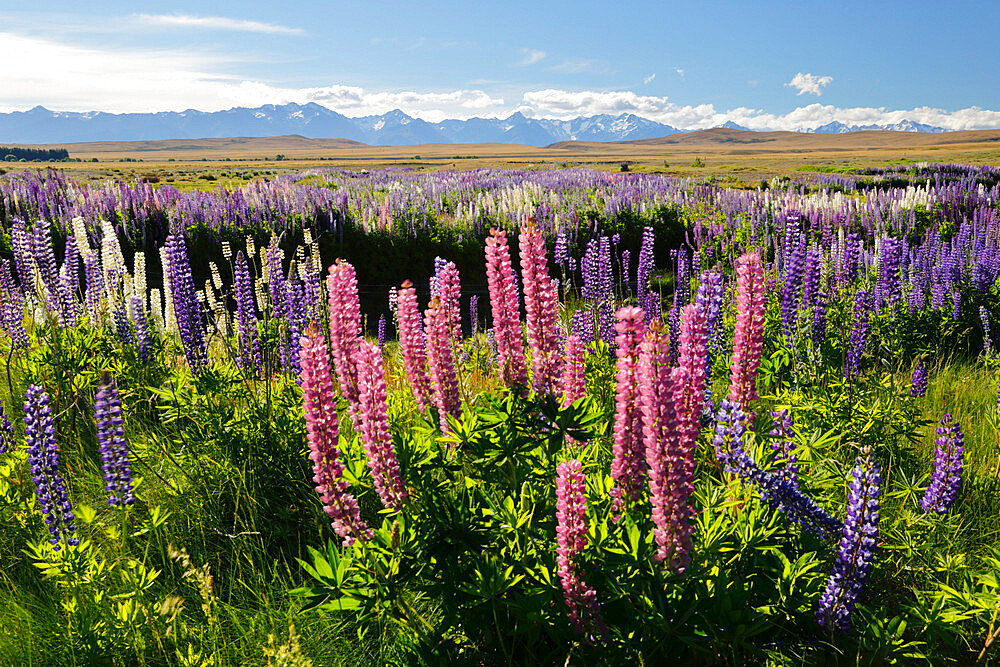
(216, 23)
(679, 71)
(72, 78)
(649, 79)
(531, 56)
(809, 83)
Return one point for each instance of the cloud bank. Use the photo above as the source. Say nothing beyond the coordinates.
(72, 78)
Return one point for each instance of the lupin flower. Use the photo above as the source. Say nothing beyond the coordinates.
(375, 427)
(7, 442)
(43, 457)
(670, 470)
(474, 314)
(689, 382)
(112, 443)
(411, 342)
(783, 442)
(776, 489)
(322, 432)
(144, 338)
(856, 550)
(748, 340)
(450, 293)
(442, 364)
(948, 464)
(628, 466)
(246, 314)
(571, 536)
(573, 384)
(987, 338)
(504, 305)
(12, 308)
(381, 332)
(541, 306)
(345, 331)
(918, 384)
(859, 335)
(186, 307)
(709, 301)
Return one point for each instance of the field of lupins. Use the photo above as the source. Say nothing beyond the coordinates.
(501, 417)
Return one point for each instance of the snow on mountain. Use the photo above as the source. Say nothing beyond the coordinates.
(395, 128)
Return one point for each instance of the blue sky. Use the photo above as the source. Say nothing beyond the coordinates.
(767, 65)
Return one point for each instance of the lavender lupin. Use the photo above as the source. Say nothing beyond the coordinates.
(856, 551)
(7, 442)
(987, 338)
(918, 384)
(43, 456)
(946, 481)
(112, 443)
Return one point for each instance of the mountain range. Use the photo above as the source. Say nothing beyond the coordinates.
(42, 126)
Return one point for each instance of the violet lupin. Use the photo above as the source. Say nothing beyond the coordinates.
(946, 481)
(412, 345)
(918, 383)
(140, 321)
(571, 537)
(984, 317)
(111, 441)
(776, 489)
(186, 307)
(381, 332)
(783, 441)
(474, 314)
(246, 316)
(670, 479)
(541, 304)
(374, 429)
(43, 457)
(859, 334)
(12, 308)
(856, 551)
(628, 466)
(7, 442)
(322, 433)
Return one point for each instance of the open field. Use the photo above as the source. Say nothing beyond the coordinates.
(614, 418)
(724, 153)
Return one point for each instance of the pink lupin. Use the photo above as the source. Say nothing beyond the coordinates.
(748, 340)
(541, 307)
(374, 431)
(322, 433)
(411, 343)
(574, 384)
(628, 466)
(571, 538)
(345, 331)
(503, 303)
(442, 364)
(450, 292)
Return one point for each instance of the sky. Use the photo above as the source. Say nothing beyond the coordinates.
(764, 65)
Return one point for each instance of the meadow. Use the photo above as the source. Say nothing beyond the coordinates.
(501, 416)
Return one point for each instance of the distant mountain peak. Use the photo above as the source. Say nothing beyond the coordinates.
(43, 126)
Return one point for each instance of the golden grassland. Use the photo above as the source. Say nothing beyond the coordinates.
(726, 154)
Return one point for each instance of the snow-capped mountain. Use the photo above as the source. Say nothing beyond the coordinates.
(395, 128)
(836, 127)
